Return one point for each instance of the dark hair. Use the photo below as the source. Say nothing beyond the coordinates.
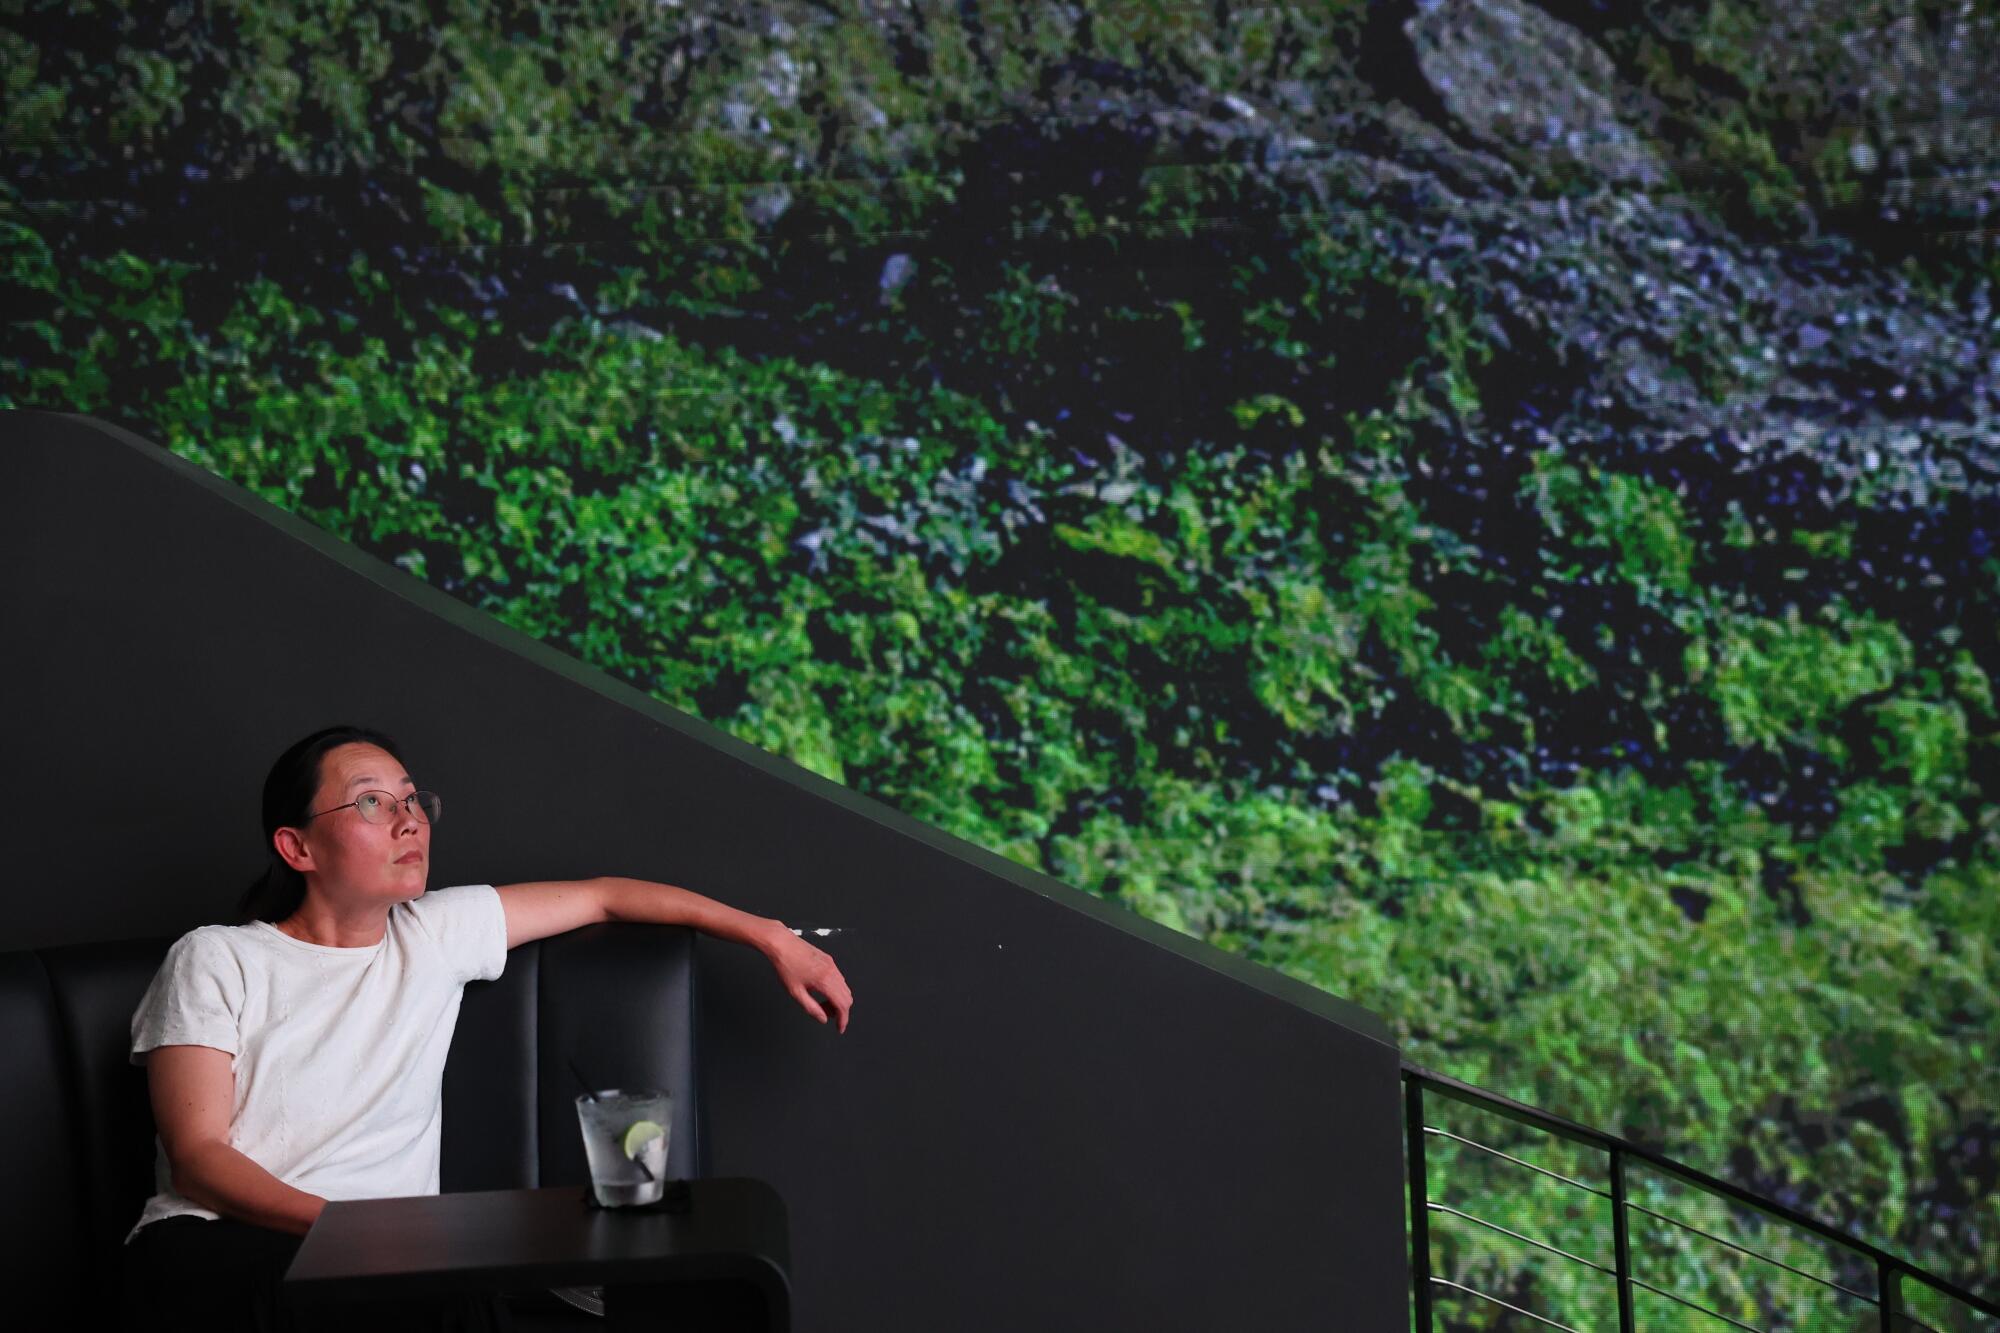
(289, 789)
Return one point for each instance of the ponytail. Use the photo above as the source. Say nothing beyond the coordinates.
(273, 895)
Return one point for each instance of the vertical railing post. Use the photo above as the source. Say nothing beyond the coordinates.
(1621, 1239)
(1889, 1285)
(1420, 1211)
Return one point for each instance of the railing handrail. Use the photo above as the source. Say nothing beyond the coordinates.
(1620, 1147)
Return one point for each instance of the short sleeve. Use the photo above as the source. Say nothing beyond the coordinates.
(196, 998)
(469, 925)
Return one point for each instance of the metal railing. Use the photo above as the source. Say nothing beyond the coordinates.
(1886, 1307)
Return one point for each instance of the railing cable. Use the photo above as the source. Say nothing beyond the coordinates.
(1526, 1240)
(1754, 1254)
(1712, 1314)
(1527, 1314)
(1553, 1175)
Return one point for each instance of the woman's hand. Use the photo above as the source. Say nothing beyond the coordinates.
(809, 973)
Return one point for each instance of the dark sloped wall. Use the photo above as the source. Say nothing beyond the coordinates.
(1047, 1114)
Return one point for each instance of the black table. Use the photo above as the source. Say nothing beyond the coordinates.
(718, 1264)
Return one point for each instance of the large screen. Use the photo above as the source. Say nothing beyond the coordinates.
(1485, 506)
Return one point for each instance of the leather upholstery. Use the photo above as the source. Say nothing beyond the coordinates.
(76, 1131)
(42, 1210)
(96, 988)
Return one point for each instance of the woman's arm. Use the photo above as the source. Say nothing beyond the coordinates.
(193, 1089)
(539, 910)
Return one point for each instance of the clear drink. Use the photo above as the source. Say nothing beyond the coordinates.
(625, 1136)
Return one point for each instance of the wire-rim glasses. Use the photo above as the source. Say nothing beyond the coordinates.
(379, 807)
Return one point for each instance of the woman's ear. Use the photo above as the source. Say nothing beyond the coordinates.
(292, 849)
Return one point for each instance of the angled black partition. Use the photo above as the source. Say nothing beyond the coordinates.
(1047, 1114)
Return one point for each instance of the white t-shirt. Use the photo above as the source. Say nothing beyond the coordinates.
(339, 1052)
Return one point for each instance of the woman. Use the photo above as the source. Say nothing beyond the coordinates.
(300, 1057)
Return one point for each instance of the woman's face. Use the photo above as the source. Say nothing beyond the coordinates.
(353, 860)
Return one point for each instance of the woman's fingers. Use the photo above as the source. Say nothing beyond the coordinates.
(814, 980)
(808, 1003)
(821, 1002)
(839, 998)
(834, 987)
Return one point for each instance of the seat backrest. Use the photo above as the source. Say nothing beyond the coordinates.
(617, 1002)
(43, 1230)
(105, 1126)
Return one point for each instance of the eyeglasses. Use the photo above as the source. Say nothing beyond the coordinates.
(379, 807)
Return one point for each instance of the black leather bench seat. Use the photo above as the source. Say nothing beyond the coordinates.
(76, 1130)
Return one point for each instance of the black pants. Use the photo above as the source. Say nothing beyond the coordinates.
(189, 1272)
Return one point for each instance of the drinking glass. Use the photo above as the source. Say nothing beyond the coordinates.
(625, 1136)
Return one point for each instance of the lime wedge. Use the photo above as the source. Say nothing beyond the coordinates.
(641, 1134)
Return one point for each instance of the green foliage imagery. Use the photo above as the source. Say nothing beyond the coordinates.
(1135, 502)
